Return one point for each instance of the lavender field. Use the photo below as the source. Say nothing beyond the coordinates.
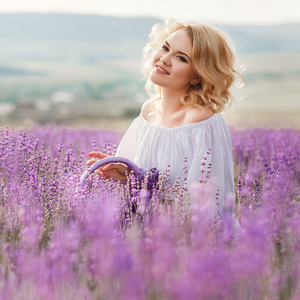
(106, 241)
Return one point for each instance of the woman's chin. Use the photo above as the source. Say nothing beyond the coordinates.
(157, 81)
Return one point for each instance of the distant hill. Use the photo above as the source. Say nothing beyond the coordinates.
(73, 27)
(265, 38)
(32, 28)
(57, 37)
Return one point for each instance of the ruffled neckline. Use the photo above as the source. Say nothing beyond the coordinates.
(203, 123)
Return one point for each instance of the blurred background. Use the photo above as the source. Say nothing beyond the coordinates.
(77, 64)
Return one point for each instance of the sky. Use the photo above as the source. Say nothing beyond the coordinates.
(210, 11)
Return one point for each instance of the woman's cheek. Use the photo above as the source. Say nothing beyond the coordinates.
(157, 55)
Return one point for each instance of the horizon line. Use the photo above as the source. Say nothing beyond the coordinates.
(145, 16)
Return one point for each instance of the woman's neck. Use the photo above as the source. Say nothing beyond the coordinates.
(170, 102)
(170, 113)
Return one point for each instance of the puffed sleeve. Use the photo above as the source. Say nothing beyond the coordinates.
(127, 145)
(211, 165)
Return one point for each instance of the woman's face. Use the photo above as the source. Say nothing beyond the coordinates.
(172, 65)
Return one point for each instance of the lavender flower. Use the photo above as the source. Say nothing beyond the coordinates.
(58, 241)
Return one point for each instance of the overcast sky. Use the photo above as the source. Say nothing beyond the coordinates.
(211, 11)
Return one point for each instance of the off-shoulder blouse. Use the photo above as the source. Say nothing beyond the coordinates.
(206, 146)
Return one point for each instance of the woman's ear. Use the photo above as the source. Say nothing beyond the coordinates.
(195, 81)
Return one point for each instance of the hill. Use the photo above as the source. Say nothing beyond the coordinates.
(73, 27)
(33, 28)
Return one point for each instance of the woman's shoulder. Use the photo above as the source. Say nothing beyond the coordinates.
(146, 109)
(195, 114)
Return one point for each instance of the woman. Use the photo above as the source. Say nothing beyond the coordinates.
(190, 68)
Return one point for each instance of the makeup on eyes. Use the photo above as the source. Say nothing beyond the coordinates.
(180, 52)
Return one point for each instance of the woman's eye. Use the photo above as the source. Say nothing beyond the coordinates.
(181, 58)
(165, 48)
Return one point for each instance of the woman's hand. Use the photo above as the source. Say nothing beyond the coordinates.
(98, 155)
(110, 171)
(114, 171)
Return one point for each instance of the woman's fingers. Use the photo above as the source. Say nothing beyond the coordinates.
(91, 162)
(116, 171)
(108, 167)
(97, 154)
(110, 171)
(100, 173)
(121, 168)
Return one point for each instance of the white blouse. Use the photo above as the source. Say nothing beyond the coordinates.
(201, 144)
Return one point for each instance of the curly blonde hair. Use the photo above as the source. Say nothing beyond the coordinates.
(213, 61)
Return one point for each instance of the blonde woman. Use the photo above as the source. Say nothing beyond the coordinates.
(190, 69)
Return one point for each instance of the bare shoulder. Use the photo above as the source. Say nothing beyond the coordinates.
(198, 114)
(146, 109)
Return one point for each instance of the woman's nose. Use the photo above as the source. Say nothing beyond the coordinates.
(165, 60)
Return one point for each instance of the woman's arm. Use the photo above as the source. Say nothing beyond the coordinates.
(127, 149)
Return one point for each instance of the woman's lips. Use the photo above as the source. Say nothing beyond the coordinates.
(161, 70)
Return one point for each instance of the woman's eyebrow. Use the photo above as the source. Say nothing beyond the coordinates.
(179, 51)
